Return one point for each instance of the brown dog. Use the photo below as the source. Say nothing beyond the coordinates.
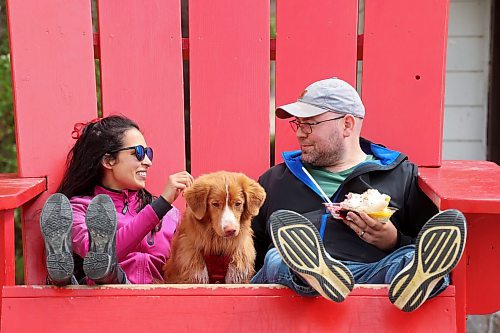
(214, 240)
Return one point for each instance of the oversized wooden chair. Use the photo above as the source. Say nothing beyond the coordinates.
(140, 52)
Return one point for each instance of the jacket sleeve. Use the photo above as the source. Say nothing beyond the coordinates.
(261, 237)
(132, 233)
(418, 210)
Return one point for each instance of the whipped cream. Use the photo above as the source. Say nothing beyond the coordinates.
(370, 201)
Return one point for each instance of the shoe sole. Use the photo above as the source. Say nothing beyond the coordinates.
(101, 224)
(298, 243)
(438, 249)
(56, 223)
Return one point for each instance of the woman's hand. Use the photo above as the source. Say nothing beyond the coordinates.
(176, 184)
(380, 235)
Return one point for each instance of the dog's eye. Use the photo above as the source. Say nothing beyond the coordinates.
(237, 203)
(216, 204)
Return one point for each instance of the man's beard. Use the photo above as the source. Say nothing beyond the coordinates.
(326, 156)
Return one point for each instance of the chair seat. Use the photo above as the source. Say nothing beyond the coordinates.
(218, 308)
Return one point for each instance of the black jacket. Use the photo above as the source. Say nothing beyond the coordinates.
(288, 187)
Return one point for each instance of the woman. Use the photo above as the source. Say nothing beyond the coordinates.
(119, 229)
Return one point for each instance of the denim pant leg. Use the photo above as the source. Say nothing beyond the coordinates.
(386, 269)
(275, 270)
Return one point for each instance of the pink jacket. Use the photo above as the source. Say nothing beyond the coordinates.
(140, 260)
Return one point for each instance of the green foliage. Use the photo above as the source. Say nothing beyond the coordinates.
(8, 162)
(272, 27)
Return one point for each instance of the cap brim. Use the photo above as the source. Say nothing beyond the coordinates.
(298, 109)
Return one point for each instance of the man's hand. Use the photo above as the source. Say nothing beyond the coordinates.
(380, 235)
(176, 184)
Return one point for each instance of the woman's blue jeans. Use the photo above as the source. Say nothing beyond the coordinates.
(275, 270)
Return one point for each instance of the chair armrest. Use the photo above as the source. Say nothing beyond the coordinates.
(15, 191)
(469, 186)
(473, 187)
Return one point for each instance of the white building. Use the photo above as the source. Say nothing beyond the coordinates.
(467, 80)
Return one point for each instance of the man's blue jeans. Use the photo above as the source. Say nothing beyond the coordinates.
(275, 270)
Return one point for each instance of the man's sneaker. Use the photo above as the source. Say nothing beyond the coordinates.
(56, 222)
(438, 249)
(100, 262)
(299, 243)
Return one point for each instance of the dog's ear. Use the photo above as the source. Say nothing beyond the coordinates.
(254, 195)
(196, 198)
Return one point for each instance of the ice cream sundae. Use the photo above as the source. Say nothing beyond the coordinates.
(371, 202)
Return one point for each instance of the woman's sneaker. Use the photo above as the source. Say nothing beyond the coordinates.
(56, 222)
(438, 249)
(299, 243)
(100, 262)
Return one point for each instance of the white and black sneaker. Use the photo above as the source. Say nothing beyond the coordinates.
(100, 262)
(299, 243)
(438, 249)
(56, 223)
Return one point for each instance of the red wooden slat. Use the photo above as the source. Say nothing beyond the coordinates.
(141, 74)
(14, 192)
(7, 252)
(217, 309)
(54, 87)
(314, 41)
(483, 251)
(183, 290)
(403, 76)
(229, 85)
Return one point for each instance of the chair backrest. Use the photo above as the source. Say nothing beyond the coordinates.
(54, 83)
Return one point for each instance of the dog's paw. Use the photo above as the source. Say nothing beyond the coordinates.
(237, 275)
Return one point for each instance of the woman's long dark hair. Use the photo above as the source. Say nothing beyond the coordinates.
(83, 165)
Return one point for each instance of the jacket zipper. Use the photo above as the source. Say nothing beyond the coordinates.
(125, 206)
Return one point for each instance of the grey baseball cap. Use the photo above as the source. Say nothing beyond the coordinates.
(334, 95)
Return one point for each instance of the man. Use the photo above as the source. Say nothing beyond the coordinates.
(414, 251)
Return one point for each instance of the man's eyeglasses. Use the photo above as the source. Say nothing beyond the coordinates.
(307, 127)
(140, 152)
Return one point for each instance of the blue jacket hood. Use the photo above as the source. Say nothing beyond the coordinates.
(385, 158)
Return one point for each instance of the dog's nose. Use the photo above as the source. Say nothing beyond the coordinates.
(229, 231)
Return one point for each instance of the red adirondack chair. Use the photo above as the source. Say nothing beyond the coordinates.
(140, 49)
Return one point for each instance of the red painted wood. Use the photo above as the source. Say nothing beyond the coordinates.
(229, 86)
(7, 254)
(141, 75)
(313, 42)
(14, 192)
(404, 56)
(483, 251)
(459, 280)
(54, 87)
(185, 47)
(368, 290)
(470, 186)
(474, 188)
(216, 309)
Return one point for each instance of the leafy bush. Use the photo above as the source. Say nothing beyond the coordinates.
(8, 161)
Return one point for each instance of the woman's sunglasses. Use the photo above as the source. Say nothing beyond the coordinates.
(140, 152)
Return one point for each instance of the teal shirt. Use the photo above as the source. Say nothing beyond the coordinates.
(331, 181)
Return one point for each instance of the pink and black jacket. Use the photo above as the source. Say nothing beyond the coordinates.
(143, 238)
